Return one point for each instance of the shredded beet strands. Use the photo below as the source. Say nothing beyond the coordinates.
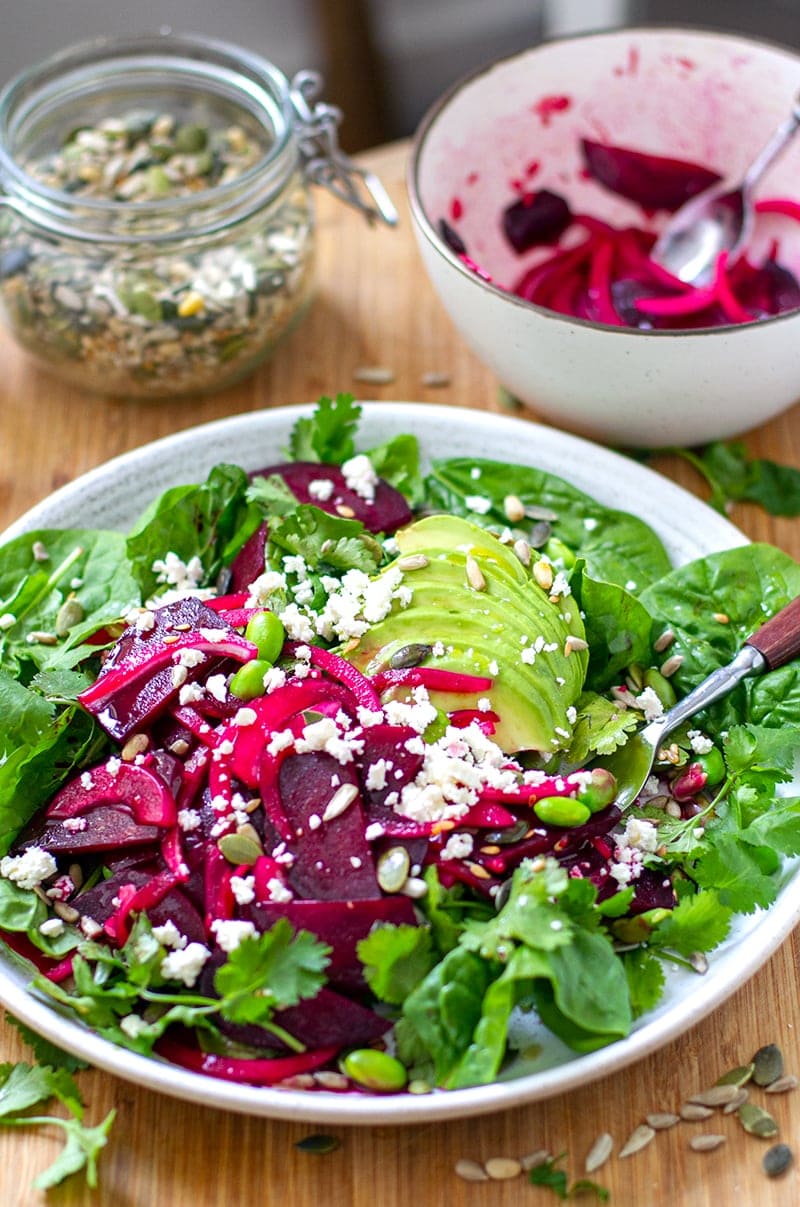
(344, 672)
(140, 901)
(431, 678)
(144, 792)
(252, 1072)
(525, 794)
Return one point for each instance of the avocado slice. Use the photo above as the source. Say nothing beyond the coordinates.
(485, 632)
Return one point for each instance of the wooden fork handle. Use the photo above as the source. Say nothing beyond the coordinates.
(778, 640)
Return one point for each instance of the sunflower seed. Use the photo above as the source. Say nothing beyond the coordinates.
(574, 643)
(538, 1157)
(514, 508)
(782, 1084)
(341, 800)
(777, 1160)
(502, 1169)
(543, 574)
(435, 381)
(474, 575)
(663, 641)
(639, 1138)
(716, 1095)
(706, 1143)
(375, 375)
(69, 614)
(767, 1065)
(471, 1171)
(134, 745)
(736, 1102)
(662, 1120)
(413, 561)
(692, 1112)
(757, 1122)
(599, 1153)
(671, 665)
(699, 962)
(331, 1080)
(523, 551)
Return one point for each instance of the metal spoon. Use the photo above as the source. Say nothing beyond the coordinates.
(774, 644)
(720, 218)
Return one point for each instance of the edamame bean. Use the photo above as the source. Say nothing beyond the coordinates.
(267, 634)
(661, 686)
(713, 764)
(248, 682)
(599, 791)
(561, 811)
(375, 1070)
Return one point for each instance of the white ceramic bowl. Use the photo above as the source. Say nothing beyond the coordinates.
(699, 96)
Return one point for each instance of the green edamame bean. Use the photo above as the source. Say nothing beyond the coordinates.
(248, 682)
(599, 791)
(561, 811)
(267, 634)
(375, 1070)
(713, 764)
(557, 551)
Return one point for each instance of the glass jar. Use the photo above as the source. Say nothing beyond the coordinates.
(156, 223)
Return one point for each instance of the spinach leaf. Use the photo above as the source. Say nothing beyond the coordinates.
(87, 565)
(712, 605)
(617, 628)
(209, 521)
(443, 1011)
(617, 547)
(735, 477)
(397, 462)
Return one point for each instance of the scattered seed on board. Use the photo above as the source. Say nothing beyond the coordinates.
(599, 1153)
(716, 1095)
(767, 1065)
(757, 1122)
(318, 1143)
(502, 1169)
(734, 1104)
(538, 1157)
(637, 1140)
(777, 1160)
(471, 1171)
(436, 381)
(375, 375)
(782, 1084)
(693, 1111)
(706, 1143)
(662, 1120)
(738, 1076)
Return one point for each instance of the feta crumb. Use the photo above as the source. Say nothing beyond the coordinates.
(75, 824)
(229, 933)
(188, 820)
(51, 927)
(478, 503)
(650, 704)
(360, 476)
(320, 489)
(173, 572)
(190, 693)
(29, 869)
(245, 716)
(217, 686)
(494, 669)
(278, 891)
(133, 1026)
(458, 846)
(168, 935)
(699, 742)
(243, 889)
(186, 964)
(7, 621)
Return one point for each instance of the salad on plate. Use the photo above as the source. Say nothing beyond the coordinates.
(301, 778)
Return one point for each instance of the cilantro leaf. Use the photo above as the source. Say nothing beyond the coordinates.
(397, 462)
(645, 976)
(47, 1053)
(548, 1174)
(323, 540)
(81, 1150)
(734, 870)
(600, 728)
(395, 959)
(270, 972)
(328, 434)
(699, 922)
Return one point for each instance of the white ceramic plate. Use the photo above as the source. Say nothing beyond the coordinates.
(113, 495)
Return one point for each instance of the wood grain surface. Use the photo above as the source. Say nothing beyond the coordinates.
(375, 307)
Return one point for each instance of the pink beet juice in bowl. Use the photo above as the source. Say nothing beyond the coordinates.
(538, 187)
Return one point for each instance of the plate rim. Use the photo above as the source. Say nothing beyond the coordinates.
(346, 1109)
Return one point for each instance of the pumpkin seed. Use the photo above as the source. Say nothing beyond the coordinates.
(599, 1153)
(782, 1084)
(392, 869)
(639, 1138)
(777, 1160)
(410, 655)
(470, 1171)
(661, 1120)
(540, 534)
(502, 1169)
(508, 836)
(318, 1143)
(240, 848)
(757, 1122)
(767, 1065)
(738, 1076)
(706, 1143)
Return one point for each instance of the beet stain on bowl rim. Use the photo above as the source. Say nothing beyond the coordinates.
(431, 226)
(111, 491)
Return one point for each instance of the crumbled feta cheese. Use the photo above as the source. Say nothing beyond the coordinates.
(650, 704)
(263, 587)
(641, 834)
(229, 933)
(458, 846)
(51, 928)
(190, 693)
(179, 675)
(320, 489)
(168, 935)
(7, 621)
(243, 889)
(217, 686)
(76, 824)
(133, 1026)
(173, 572)
(278, 891)
(185, 964)
(189, 657)
(113, 766)
(296, 623)
(699, 742)
(188, 820)
(29, 869)
(273, 679)
(478, 503)
(245, 716)
(376, 775)
(360, 476)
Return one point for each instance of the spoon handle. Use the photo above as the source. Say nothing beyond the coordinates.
(778, 641)
(773, 148)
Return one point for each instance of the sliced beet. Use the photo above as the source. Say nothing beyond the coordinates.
(340, 924)
(136, 681)
(331, 1018)
(98, 903)
(452, 238)
(332, 858)
(141, 788)
(535, 219)
(249, 561)
(770, 289)
(387, 512)
(107, 828)
(655, 182)
(386, 759)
